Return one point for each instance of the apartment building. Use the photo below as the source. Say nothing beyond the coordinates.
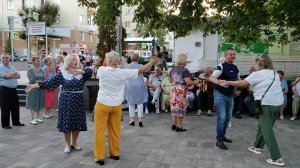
(76, 21)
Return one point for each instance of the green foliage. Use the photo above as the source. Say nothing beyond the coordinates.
(240, 21)
(47, 13)
(7, 48)
(146, 31)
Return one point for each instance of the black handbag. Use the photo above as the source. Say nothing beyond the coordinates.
(258, 102)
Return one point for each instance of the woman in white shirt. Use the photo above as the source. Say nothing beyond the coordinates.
(108, 108)
(270, 105)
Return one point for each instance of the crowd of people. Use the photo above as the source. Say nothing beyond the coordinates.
(139, 86)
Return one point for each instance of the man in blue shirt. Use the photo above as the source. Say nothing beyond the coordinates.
(223, 95)
(9, 101)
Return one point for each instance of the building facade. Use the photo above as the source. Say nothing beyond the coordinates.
(76, 20)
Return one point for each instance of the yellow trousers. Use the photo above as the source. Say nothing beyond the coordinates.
(107, 116)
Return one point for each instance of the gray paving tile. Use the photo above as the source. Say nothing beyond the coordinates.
(155, 145)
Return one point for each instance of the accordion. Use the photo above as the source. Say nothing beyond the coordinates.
(205, 86)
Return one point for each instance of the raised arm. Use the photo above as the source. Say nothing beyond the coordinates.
(147, 67)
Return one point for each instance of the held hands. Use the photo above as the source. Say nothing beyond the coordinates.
(224, 83)
(31, 86)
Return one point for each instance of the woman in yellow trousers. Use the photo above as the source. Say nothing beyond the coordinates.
(108, 109)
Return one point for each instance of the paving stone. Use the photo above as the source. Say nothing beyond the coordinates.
(154, 146)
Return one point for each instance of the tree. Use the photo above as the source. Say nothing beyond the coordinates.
(240, 21)
(146, 31)
(47, 13)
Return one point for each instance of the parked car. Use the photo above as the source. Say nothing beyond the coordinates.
(145, 56)
(23, 58)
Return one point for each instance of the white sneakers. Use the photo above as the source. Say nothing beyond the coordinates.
(255, 150)
(278, 162)
(146, 111)
(166, 110)
(39, 120)
(36, 121)
(33, 122)
(67, 150)
(293, 118)
(281, 117)
(157, 111)
(199, 112)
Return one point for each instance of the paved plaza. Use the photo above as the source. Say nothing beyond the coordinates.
(154, 146)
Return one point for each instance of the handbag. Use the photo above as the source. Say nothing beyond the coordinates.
(258, 105)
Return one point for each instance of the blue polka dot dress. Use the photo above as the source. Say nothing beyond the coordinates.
(71, 113)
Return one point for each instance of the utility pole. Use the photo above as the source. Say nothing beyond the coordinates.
(10, 20)
(119, 33)
(2, 8)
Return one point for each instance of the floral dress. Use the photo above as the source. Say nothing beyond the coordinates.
(178, 91)
(35, 98)
(71, 113)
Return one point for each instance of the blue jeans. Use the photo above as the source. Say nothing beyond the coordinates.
(224, 108)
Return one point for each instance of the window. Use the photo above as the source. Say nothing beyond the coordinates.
(90, 37)
(10, 4)
(80, 19)
(82, 36)
(127, 23)
(90, 19)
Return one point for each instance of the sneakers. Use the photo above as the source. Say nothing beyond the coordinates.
(46, 116)
(199, 113)
(255, 150)
(157, 111)
(76, 147)
(166, 110)
(67, 150)
(146, 111)
(39, 120)
(281, 118)
(209, 113)
(278, 162)
(293, 118)
(33, 122)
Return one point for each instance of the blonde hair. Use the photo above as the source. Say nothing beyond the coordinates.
(181, 59)
(68, 59)
(263, 62)
(46, 59)
(113, 57)
(134, 57)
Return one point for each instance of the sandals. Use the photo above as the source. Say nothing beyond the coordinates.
(278, 162)
(255, 150)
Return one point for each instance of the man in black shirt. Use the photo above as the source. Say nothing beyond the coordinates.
(223, 95)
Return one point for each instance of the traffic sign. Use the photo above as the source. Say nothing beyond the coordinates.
(15, 36)
(36, 28)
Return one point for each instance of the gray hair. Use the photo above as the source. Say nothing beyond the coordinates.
(4, 54)
(113, 57)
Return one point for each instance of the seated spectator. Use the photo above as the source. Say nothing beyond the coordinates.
(166, 86)
(190, 97)
(154, 83)
(205, 93)
(296, 100)
(285, 90)
(249, 99)
(240, 95)
(250, 103)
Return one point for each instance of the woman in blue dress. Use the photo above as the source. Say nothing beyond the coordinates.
(136, 92)
(71, 113)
